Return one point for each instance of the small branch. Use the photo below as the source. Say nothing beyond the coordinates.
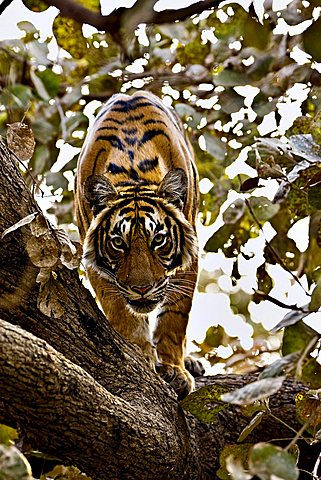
(307, 350)
(316, 467)
(4, 5)
(62, 119)
(113, 22)
(277, 302)
(166, 16)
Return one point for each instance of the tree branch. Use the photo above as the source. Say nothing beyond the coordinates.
(73, 385)
(64, 411)
(4, 5)
(115, 21)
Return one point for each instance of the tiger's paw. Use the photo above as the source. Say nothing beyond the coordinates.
(178, 378)
(194, 366)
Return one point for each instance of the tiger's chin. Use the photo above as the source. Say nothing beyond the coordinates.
(143, 305)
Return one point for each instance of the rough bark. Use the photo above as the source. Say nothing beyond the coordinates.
(77, 390)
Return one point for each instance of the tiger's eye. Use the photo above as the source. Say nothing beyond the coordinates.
(118, 243)
(159, 239)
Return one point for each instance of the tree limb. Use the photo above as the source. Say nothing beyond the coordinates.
(64, 411)
(115, 21)
(73, 385)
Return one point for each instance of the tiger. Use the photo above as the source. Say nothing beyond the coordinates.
(136, 203)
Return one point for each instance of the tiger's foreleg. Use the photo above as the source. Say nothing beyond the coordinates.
(170, 332)
(134, 328)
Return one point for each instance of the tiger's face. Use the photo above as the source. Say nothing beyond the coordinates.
(139, 237)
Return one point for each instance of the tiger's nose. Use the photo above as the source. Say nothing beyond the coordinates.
(142, 289)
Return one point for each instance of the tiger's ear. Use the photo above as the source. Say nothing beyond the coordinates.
(99, 191)
(174, 187)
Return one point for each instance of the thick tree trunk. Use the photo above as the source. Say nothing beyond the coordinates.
(77, 390)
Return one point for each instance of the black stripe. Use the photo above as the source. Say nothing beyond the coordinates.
(134, 118)
(146, 208)
(169, 311)
(113, 140)
(131, 155)
(131, 141)
(129, 131)
(151, 120)
(150, 134)
(133, 174)
(148, 164)
(97, 158)
(125, 107)
(125, 210)
(115, 169)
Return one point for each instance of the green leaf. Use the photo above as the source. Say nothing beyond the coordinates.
(282, 249)
(311, 374)
(304, 146)
(234, 212)
(188, 114)
(308, 409)
(7, 435)
(215, 146)
(254, 391)
(205, 403)
(296, 337)
(264, 282)
(231, 78)
(315, 303)
(41, 159)
(219, 238)
(193, 52)
(69, 36)
(310, 43)
(268, 461)
(16, 97)
(255, 34)
(263, 208)
(36, 5)
(51, 81)
(314, 196)
(41, 90)
(256, 420)
(239, 452)
(279, 366)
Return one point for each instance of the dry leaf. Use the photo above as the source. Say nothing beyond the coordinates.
(43, 275)
(20, 140)
(43, 250)
(52, 298)
(39, 226)
(21, 223)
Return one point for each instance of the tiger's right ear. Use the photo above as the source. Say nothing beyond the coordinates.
(99, 191)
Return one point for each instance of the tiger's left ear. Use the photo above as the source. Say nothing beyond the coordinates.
(99, 191)
(174, 187)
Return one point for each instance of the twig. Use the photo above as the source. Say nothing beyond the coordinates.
(4, 5)
(62, 119)
(300, 432)
(28, 171)
(307, 349)
(316, 467)
(278, 302)
(112, 23)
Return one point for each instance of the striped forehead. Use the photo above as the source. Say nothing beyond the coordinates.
(137, 214)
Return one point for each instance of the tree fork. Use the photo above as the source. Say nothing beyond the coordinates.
(78, 390)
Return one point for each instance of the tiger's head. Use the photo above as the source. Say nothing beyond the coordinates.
(139, 237)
